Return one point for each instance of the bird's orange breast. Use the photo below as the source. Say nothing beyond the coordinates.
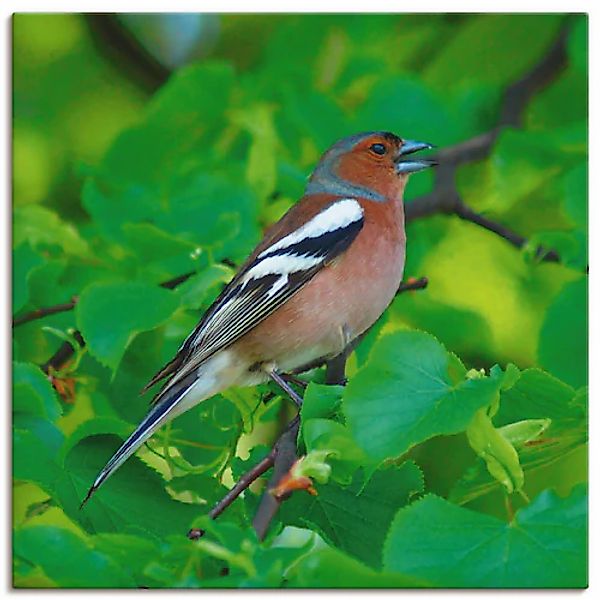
(341, 301)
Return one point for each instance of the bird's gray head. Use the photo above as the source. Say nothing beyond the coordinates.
(368, 165)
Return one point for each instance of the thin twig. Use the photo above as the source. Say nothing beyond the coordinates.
(412, 284)
(464, 212)
(171, 284)
(63, 354)
(40, 313)
(244, 483)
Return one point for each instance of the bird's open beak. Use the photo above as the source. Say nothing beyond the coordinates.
(412, 166)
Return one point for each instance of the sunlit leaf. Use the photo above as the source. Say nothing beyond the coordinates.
(25, 261)
(110, 315)
(356, 518)
(411, 389)
(72, 563)
(33, 392)
(563, 340)
(456, 547)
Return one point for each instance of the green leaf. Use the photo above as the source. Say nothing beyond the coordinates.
(576, 195)
(207, 434)
(205, 489)
(496, 450)
(110, 315)
(507, 45)
(521, 164)
(562, 346)
(187, 110)
(577, 45)
(158, 254)
(176, 566)
(132, 553)
(330, 568)
(40, 226)
(537, 402)
(536, 395)
(133, 500)
(256, 454)
(216, 211)
(544, 546)
(346, 457)
(410, 390)
(356, 518)
(96, 426)
(423, 111)
(204, 285)
(261, 168)
(321, 401)
(147, 353)
(35, 445)
(316, 118)
(544, 111)
(446, 322)
(68, 559)
(33, 392)
(25, 261)
(64, 278)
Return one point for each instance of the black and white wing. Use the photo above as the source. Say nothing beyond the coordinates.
(264, 284)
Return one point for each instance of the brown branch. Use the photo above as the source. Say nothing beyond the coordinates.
(286, 454)
(116, 43)
(412, 284)
(63, 354)
(171, 284)
(464, 212)
(40, 313)
(520, 93)
(445, 198)
(243, 483)
(281, 458)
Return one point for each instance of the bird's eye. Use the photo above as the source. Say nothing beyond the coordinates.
(378, 149)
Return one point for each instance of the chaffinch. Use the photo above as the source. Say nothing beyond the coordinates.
(321, 276)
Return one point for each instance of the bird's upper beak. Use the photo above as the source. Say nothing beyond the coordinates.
(412, 166)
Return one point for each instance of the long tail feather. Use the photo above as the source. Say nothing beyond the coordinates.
(157, 416)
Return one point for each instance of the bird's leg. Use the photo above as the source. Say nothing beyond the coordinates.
(285, 386)
(290, 378)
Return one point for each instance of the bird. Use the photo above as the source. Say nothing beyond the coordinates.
(320, 277)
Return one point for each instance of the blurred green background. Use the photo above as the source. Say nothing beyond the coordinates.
(148, 146)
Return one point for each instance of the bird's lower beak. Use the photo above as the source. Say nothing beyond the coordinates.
(412, 166)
